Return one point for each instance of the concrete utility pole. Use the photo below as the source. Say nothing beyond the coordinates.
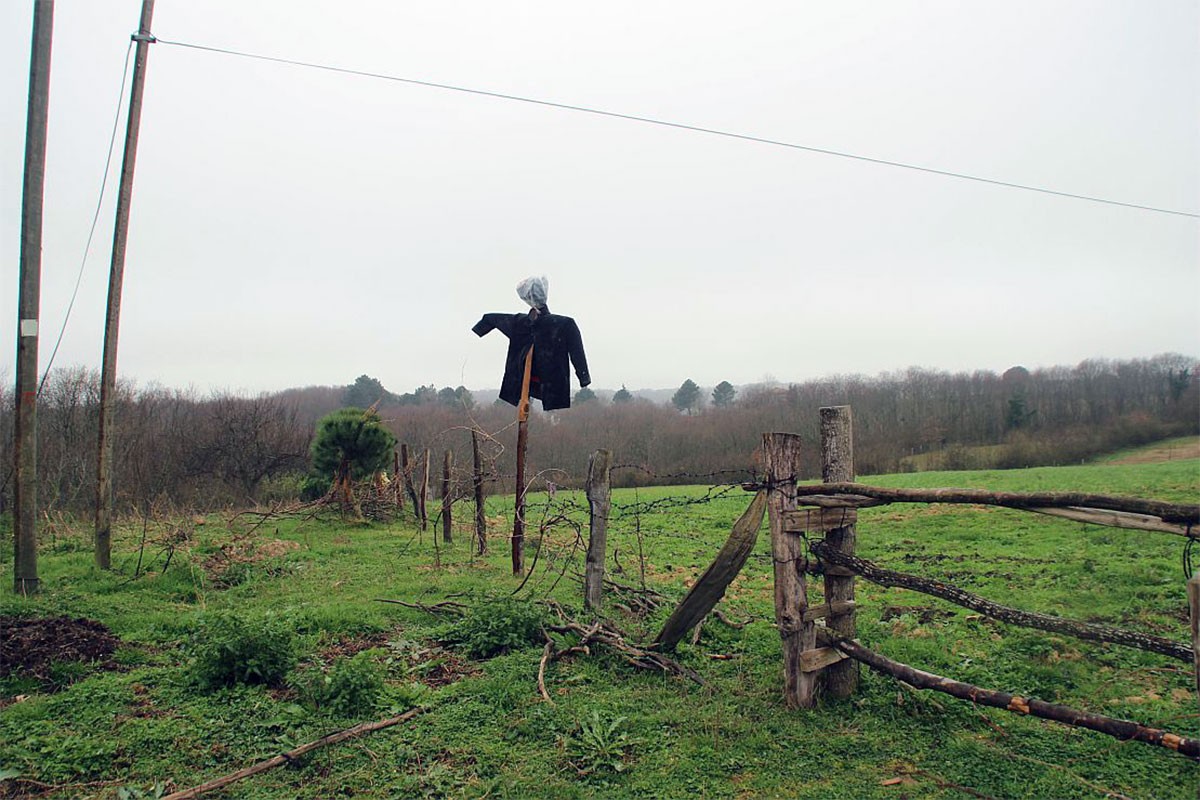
(25, 576)
(116, 277)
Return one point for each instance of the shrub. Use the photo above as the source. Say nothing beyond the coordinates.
(495, 627)
(354, 686)
(227, 649)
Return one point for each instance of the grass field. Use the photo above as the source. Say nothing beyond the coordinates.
(613, 731)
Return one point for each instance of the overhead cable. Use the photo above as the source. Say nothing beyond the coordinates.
(669, 124)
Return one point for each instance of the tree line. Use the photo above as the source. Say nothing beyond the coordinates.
(211, 451)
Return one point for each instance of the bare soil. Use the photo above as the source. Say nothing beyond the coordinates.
(31, 645)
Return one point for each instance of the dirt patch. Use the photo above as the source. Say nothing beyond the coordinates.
(31, 645)
(1170, 451)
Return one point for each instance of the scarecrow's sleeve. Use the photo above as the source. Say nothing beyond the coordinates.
(490, 322)
(575, 349)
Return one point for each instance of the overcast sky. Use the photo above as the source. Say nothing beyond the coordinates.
(294, 227)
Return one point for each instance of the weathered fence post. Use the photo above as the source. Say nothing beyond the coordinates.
(837, 466)
(599, 498)
(447, 496)
(781, 455)
(480, 517)
(424, 494)
(397, 481)
(1193, 589)
(406, 467)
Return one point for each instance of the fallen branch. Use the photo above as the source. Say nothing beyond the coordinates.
(293, 754)
(444, 607)
(547, 652)
(1183, 513)
(606, 634)
(1118, 728)
(1028, 619)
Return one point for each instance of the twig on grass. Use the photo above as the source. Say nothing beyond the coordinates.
(293, 754)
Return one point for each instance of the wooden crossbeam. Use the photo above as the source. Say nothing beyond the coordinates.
(818, 520)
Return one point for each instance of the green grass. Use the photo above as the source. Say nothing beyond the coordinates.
(614, 731)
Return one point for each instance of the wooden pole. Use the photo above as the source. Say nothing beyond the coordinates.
(837, 465)
(25, 573)
(706, 592)
(480, 516)
(1031, 706)
(518, 536)
(447, 497)
(397, 481)
(781, 452)
(1193, 590)
(116, 278)
(599, 495)
(423, 497)
(406, 468)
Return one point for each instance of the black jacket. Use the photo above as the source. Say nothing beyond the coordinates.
(554, 339)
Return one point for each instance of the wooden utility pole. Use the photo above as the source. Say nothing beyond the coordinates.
(518, 536)
(116, 277)
(837, 465)
(25, 575)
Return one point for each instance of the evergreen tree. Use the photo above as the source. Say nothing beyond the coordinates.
(365, 392)
(350, 444)
(584, 395)
(622, 395)
(687, 397)
(723, 394)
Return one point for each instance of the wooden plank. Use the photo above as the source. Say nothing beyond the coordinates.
(781, 457)
(820, 658)
(706, 592)
(818, 520)
(840, 501)
(1116, 519)
(827, 609)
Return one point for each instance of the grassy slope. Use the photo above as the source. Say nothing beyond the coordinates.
(491, 735)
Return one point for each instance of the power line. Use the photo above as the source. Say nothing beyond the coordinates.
(677, 125)
(95, 218)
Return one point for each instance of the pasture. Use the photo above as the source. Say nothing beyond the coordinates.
(137, 724)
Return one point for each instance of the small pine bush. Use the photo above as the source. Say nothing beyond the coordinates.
(495, 627)
(227, 649)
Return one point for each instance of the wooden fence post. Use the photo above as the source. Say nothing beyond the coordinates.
(781, 455)
(424, 494)
(406, 467)
(837, 466)
(1193, 589)
(599, 498)
(447, 496)
(397, 481)
(480, 517)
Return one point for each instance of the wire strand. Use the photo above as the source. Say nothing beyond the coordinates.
(677, 125)
(95, 218)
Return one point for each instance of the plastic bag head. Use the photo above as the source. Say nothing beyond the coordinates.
(534, 290)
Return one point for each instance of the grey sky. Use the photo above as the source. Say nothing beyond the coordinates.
(294, 227)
